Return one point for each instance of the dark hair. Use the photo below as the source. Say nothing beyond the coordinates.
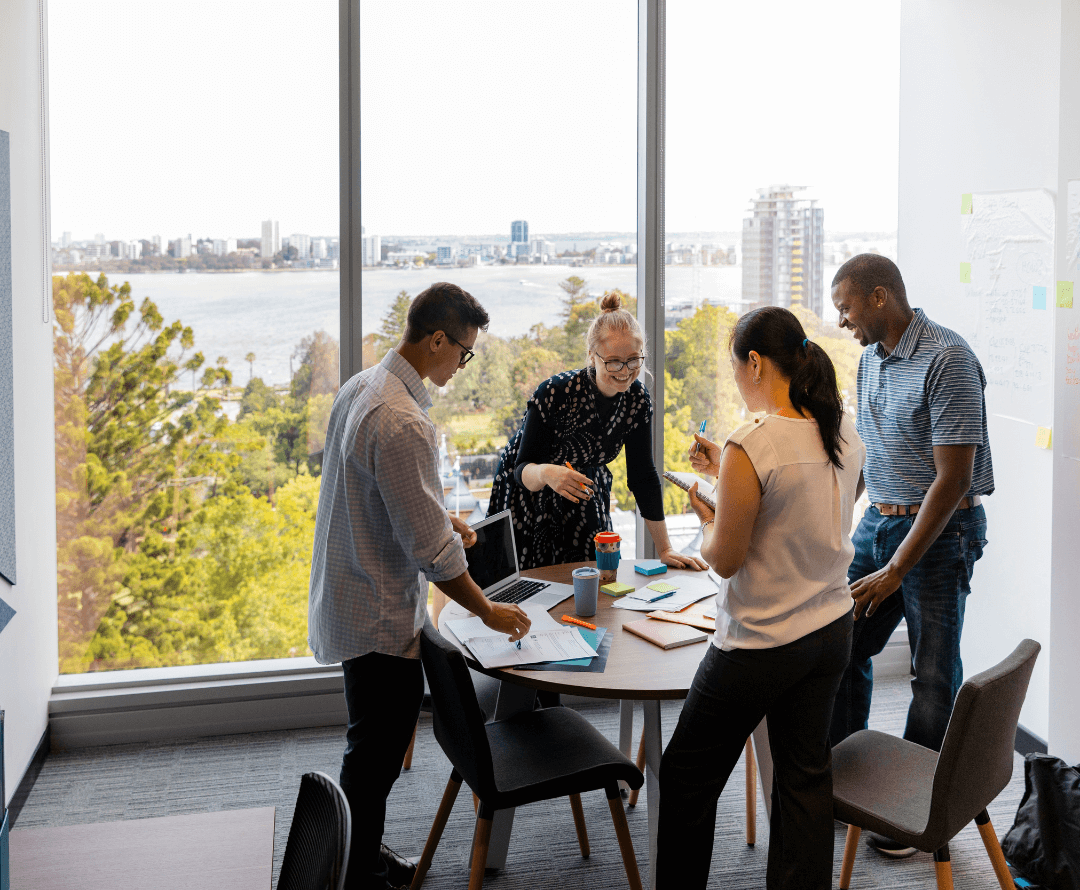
(775, 332)
(869, 270)
(444, 307)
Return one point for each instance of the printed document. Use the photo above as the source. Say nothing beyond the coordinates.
(560, 644)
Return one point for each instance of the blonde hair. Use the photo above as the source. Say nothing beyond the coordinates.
(613, 319)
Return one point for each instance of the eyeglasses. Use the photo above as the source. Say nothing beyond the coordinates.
(466, 353)
(613, 367)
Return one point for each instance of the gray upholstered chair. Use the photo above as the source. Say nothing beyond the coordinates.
(920, 798)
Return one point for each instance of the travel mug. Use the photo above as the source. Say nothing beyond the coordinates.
(607, 555)
(586, 590)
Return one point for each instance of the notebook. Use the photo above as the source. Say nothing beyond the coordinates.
(665, 634)
(685, 481)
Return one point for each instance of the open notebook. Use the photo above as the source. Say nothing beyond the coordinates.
(706, 490)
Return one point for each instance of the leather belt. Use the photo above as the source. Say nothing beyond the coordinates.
(912, 509)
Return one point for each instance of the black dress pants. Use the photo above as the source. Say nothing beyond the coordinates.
(383, 694)
(794, 686)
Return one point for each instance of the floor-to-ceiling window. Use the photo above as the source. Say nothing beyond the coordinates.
(194, 152)
(498, 152)
(781, 159)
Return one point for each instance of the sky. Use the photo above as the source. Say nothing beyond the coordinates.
(208, 117)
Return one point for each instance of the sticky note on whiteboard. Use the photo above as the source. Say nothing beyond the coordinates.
(1038, 297)
(965, 203)
(1042, 437)
(1064, 294)
(965, 273)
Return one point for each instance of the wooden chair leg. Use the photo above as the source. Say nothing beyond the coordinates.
(943, 868)
(445, 806)
(993, 850)
(622, 832)
(851, 846)
(641, 766)
(475, 803)
(412, 743)
(479, 852)
(579, 825)
(751, 793)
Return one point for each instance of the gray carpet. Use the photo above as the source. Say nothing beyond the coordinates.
(263, 769)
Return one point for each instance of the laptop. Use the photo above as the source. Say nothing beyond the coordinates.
(493, 565)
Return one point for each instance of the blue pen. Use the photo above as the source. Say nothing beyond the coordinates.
(662, 596)
(701, 432)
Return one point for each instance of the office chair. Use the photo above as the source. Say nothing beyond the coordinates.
(532, 756)
(317, 852)
(921, 798)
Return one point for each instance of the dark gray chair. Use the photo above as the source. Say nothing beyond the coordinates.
(317, 851)
(922, 799)
(532, 756)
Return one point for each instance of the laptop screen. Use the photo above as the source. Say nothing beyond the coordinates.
(492, 559)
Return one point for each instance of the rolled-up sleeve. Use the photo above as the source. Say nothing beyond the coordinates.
(405, 463)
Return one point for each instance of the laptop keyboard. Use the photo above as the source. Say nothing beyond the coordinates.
(518, 591)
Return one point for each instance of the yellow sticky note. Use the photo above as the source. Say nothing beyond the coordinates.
(1042, 437)
(965, 203)
(965, 273)
(1064, 294)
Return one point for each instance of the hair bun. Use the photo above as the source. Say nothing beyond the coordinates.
(610, 302)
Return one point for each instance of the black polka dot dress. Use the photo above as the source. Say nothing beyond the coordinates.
(548, 528)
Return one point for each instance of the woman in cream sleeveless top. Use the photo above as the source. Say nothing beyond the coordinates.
(781, 539)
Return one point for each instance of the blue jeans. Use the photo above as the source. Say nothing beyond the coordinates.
(794, 686)
(932, 598)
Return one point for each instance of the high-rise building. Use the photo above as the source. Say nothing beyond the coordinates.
(65, 240)
(371, 250)
(782, 244)
(156, 241)
(519, 231)
(302, 243)
(271, 239)
(318, 248)
(181, 247)
(444, 255)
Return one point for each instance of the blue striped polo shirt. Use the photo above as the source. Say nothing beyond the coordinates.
(927, 392)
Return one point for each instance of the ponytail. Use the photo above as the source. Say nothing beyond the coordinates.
(775, 332)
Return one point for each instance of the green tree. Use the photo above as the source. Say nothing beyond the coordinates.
(392, 327)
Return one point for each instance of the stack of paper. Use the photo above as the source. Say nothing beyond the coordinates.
(671, 595)
(546, 641)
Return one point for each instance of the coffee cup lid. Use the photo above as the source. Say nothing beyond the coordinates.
(607, 538)
(585, 572)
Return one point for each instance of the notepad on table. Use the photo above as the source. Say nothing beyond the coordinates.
(665, 634)
(617, 588)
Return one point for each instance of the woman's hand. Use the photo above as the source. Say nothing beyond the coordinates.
(705, 456)
(669, 557)
(571, 484)
(468, 534)
(704, 512)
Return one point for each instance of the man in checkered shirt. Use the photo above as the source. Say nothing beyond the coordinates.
(381, 533)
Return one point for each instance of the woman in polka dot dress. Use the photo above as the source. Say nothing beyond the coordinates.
(583, 418)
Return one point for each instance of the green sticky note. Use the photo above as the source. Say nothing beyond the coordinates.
(617, 588)
(662, 587)
(965, 273)
(1064, 294)
(965, 203)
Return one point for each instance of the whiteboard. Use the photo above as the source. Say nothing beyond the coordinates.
(1008, 240)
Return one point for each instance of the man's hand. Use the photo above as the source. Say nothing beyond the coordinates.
(468, 534)
(875, 588)
(705, 456)
(509, 619)
(670, 557)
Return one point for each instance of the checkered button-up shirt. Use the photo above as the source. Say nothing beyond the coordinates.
(381, 530)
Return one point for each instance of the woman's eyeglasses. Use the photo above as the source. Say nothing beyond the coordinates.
(613, 367)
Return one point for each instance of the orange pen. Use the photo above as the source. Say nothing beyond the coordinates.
(570, 619)
(585, 491)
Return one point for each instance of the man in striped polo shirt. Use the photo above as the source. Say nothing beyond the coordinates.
(922, 417)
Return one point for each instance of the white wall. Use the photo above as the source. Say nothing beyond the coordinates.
(1064, 733)
(28, 647)
(983, 108)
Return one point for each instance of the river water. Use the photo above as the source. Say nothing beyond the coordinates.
(268, 313)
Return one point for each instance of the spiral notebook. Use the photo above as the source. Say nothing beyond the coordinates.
(685, 481)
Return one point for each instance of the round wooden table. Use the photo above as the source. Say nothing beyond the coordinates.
(636, 670)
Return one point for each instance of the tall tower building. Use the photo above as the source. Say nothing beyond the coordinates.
(783, 262)
(519, 231)
(271, 239)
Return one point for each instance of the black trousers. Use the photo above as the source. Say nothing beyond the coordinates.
(794, 686)
(383, 694)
